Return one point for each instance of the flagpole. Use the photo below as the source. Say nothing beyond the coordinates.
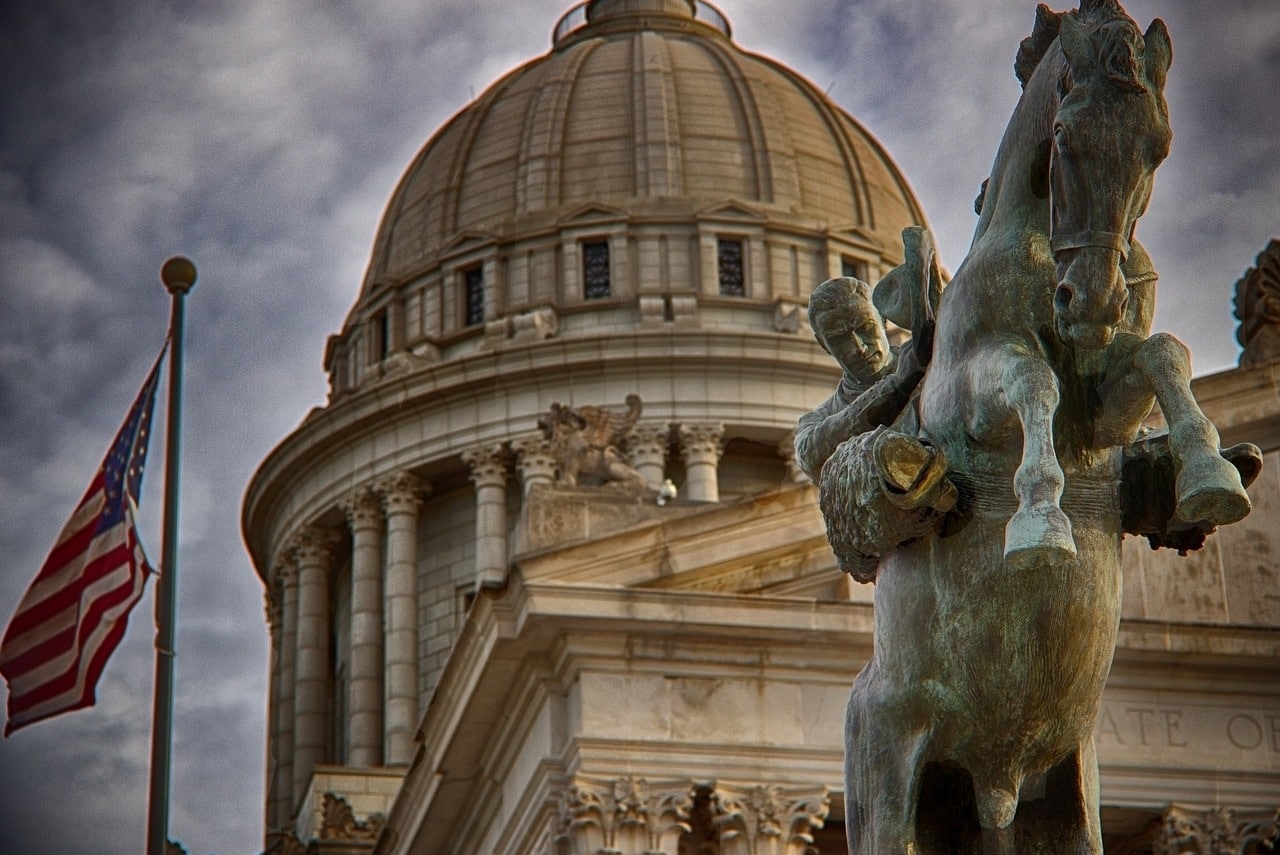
(178, 275)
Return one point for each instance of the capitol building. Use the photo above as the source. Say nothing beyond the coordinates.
(472, 654)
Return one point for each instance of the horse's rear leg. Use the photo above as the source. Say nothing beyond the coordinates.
(882, 778)
(1208, 487)
(1039, 531)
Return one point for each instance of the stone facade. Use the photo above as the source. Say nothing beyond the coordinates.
(469, 657)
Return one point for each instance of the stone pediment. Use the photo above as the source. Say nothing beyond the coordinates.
(731, 209)
(855, 235)
(592, 213)
(465, 240)
(773, 542)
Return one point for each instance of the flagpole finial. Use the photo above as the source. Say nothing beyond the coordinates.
(178, 274)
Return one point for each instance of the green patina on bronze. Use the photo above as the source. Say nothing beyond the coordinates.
(970, 730)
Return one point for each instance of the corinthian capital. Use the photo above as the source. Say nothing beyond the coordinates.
(488, 464)
(362, 509)
(1217, 831)
(594, 811)
(701, 442)
(401, 492)
(763, 814)
(535, 457)
(313, 545)
(284, 570)
(648, 440)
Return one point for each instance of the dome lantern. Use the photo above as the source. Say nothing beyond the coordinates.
(599, 10)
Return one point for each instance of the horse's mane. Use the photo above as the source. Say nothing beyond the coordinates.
(1032, 49)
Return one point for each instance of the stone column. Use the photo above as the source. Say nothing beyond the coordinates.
(286, 572)
(313, 553)
(402, 495)
(647, 450)
(534, 461)
(274, 610)
(700, 445)
(488, 466)
(364, 682)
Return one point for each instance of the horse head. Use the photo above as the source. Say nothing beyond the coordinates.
(1110, 132)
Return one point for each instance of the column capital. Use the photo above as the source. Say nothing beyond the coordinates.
(284, 569)
(535, 459)
(313, 545)
(598, 810)
(488, 464)
(362, 509)
(698, 442)
(530, 445)
(764, 813)
(401, 491)
(649, 439)
(273, 609)
(1217, 830)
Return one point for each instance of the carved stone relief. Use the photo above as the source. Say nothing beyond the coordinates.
(768, 820)
(338, 822)
(1258, 309)
(284, 843)
(626, 816)
(1218, 831)
(585, 441)
(632, 816)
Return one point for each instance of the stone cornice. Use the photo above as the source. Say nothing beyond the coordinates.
(507, 632)
(271, 502)
(699, 547)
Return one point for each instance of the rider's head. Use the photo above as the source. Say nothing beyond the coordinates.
(845, 322)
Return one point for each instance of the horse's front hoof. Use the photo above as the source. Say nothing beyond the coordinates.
(1211, 492)
(1038, 536)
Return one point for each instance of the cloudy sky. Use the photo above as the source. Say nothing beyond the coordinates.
(263, 138)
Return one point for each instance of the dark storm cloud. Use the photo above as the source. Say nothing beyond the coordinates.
(263, 140)
(939, 103)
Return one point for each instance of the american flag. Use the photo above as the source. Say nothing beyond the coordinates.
(74, 614)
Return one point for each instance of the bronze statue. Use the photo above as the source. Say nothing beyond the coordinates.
(970, 730)
(902, 492)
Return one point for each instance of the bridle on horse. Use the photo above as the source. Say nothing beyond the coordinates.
(1085, 237)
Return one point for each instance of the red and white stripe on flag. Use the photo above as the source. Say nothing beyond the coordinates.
(74, 614)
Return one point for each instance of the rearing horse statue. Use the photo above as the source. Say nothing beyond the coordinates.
(971, 728)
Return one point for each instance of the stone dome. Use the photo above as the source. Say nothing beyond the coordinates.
(642, 210)
(649, 108)
(644, 118)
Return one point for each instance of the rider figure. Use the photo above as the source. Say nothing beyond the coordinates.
(877, 385)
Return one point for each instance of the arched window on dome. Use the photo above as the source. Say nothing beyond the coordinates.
(595, 270)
